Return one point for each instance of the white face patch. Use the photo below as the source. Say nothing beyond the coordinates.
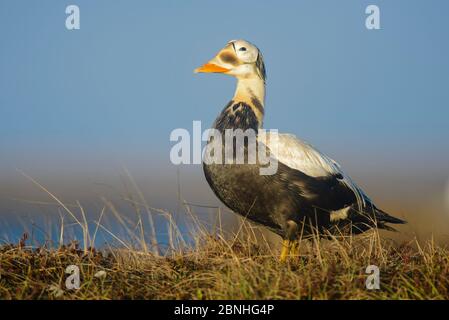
(246, 52)
(339, 214)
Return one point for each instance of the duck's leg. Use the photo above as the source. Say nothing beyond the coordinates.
(291, 230)
(294, 250)
(286, 247)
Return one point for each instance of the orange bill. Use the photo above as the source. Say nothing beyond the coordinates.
(211, 67)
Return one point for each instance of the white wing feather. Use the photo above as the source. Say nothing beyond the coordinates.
(299, 155)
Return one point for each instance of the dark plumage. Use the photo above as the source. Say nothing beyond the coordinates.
(273, 200)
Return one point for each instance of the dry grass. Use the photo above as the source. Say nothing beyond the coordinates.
(224, 269)
(217, 265)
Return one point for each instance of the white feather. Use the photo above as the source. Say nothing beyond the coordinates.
(299, 155)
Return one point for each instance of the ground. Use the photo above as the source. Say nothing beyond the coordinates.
(216, 268)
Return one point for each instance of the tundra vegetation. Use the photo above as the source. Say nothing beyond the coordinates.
(211, 263)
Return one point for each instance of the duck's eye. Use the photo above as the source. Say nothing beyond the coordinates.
(242, 49)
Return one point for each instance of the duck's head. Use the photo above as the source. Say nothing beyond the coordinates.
(238, 58)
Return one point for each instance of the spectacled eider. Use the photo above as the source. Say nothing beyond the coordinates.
(309, 191)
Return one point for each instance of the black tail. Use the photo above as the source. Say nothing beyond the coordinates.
(382, 216)
(372, 218)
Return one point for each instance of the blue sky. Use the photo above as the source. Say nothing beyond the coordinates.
(112, 92)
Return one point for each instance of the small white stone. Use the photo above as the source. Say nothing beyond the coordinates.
(100, 274)
(56, 291)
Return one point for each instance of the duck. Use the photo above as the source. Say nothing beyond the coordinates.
(309, 194)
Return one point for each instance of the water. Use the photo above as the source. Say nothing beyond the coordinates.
(25, 208)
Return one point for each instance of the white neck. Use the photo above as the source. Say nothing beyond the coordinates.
(249, 88)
